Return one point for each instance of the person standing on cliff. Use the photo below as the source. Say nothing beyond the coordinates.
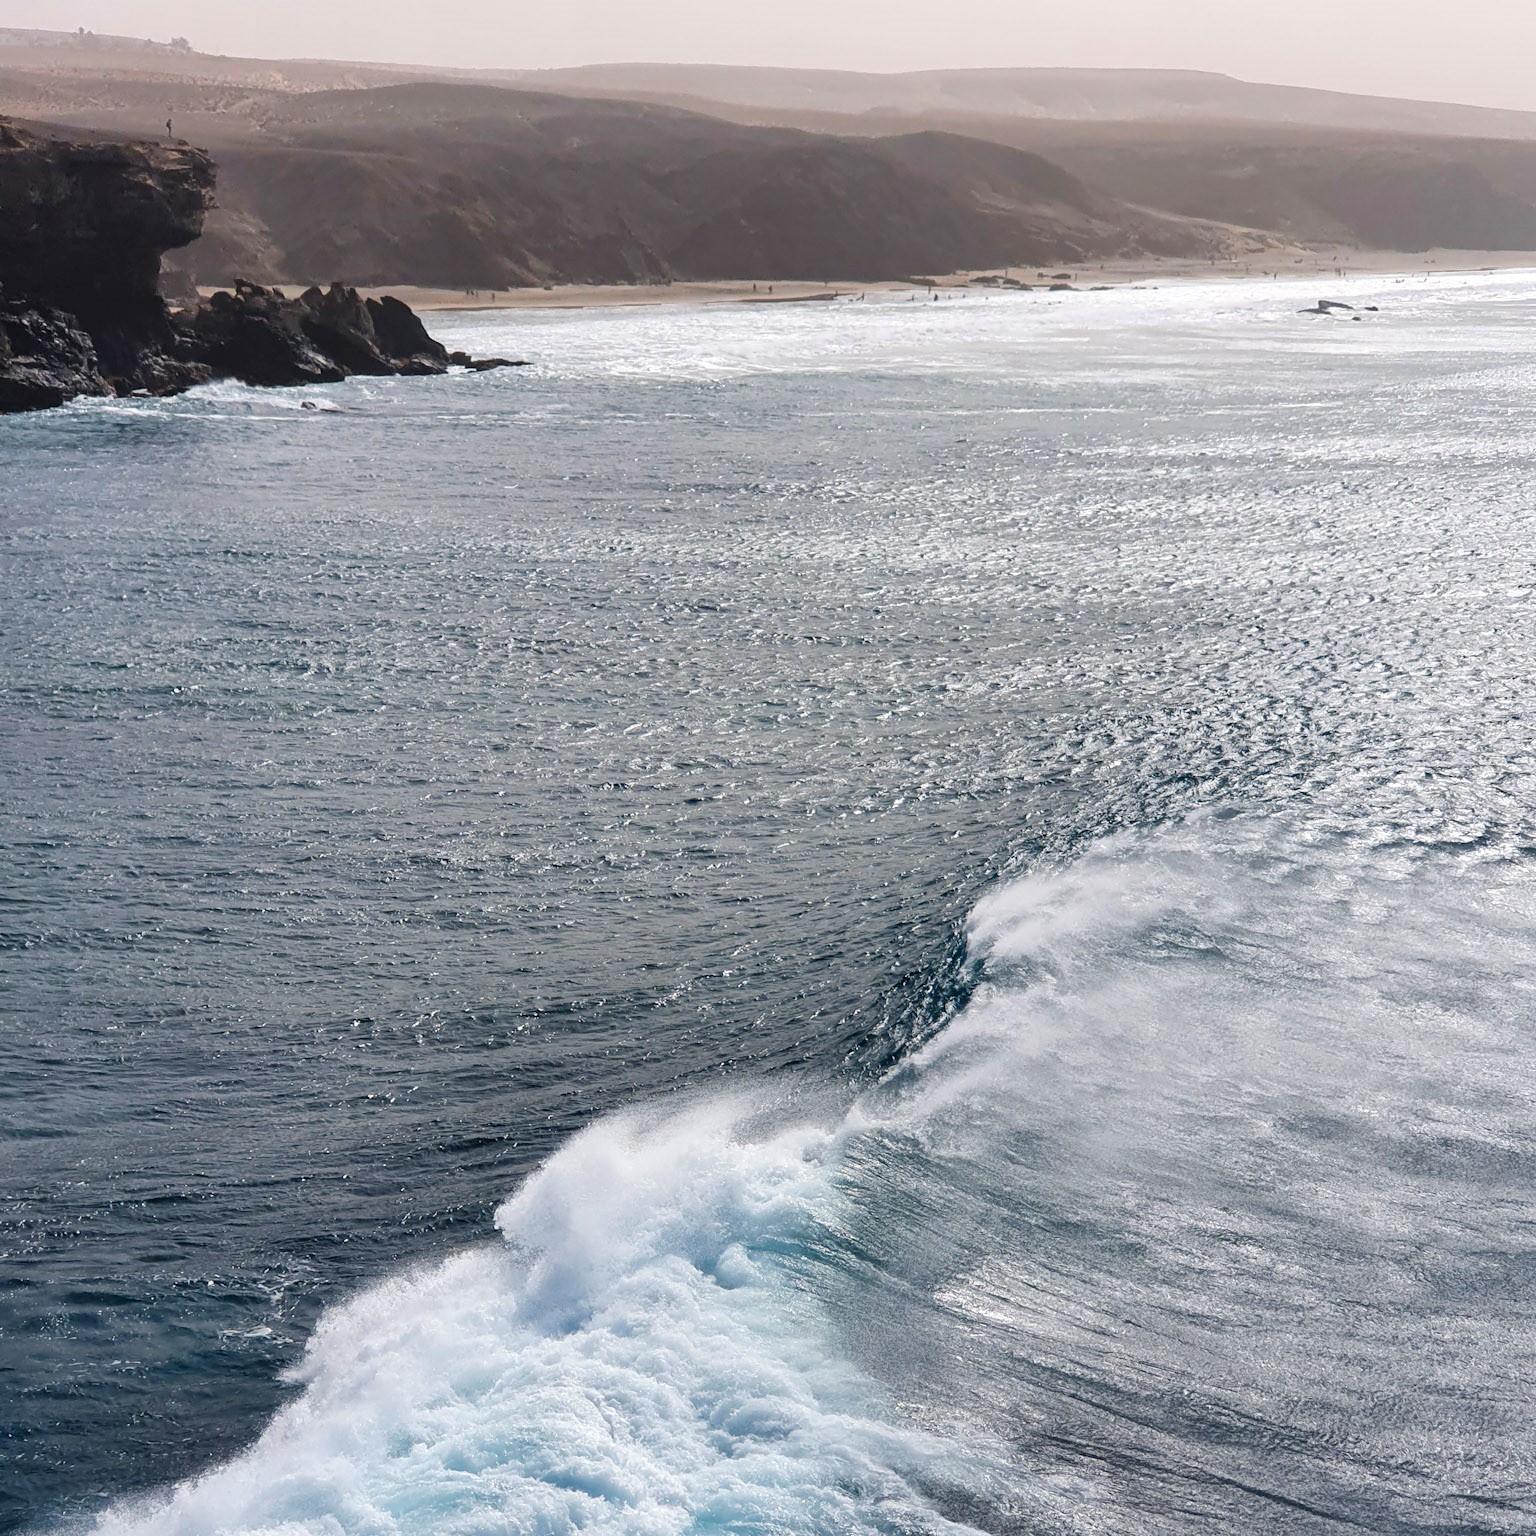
(168, 132)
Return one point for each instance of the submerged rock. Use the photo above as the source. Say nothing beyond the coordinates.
(485, 364)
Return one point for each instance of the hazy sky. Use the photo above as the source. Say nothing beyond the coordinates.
(1453, 50)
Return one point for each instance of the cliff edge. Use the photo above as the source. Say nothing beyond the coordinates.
(83, 225)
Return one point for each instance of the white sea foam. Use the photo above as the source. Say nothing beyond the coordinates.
(1207, 1024)
(629, 1359)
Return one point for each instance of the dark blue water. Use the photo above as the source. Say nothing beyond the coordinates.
(1030, 805)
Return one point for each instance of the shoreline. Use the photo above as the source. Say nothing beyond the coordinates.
(1282, 264)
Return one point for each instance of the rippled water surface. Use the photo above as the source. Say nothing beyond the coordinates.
(1003, 829)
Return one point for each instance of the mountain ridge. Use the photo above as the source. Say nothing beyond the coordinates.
(390, 175)
(482, 186)
(1053, 91)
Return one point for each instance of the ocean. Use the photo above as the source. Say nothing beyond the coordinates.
(848, 918)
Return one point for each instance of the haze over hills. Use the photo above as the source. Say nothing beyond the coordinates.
(1082, 95)
(1311, 185)
(621, 173)
(478, 186)
(458, 184)
(1074, 95)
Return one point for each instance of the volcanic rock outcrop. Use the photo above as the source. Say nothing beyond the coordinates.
(83, 226)
(258, 336)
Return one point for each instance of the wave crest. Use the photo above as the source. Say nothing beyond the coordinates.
(629, 1359)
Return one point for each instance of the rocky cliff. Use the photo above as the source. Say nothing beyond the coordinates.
(83, 226)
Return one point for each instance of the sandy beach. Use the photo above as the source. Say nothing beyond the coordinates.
(1278, 264)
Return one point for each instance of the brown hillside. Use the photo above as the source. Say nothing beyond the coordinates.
(478, 186)
(387, 174)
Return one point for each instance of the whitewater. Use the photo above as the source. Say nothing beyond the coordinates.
(1213, 1218)
(848, 921)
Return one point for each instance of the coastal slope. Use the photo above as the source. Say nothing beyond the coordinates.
(87, 222)
(391, 175)
(475, 186)
(483, 187)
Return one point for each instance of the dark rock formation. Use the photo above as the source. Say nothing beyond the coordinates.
(401, 336)
(82, 230)
(484, 364)
(45, 359)
(336, 323)
(258, 336)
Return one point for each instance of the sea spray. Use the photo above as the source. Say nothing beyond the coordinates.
(631, 1359)
(1134, 1234)
(1213, 1202)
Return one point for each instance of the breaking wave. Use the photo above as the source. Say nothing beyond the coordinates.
(633, 1356)
(1171, 1223)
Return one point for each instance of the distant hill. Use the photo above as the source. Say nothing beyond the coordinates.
(1313, 186)
(393, 174)
(1320, 167)
(1382, 191)
(476, 186)
(82, 55)
(1070, 95)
